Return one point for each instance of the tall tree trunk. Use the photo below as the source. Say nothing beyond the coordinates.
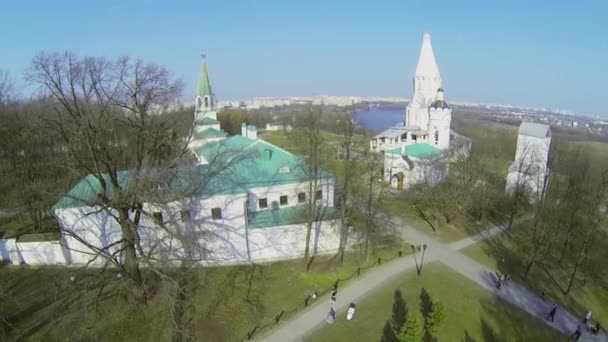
(581, 254)
(131, 262)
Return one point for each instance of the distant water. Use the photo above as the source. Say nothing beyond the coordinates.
(377, 120)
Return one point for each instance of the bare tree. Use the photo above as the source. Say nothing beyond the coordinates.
(6, 88)
(351, 150)
(316, 153)
(104, 116)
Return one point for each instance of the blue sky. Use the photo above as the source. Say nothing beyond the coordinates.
(536, 53)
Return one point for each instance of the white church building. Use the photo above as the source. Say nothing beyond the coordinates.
(529, 170)
(414, 149)
(245, 202)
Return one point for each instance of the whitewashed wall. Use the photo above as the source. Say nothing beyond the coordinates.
(32, 253)
(207, 241)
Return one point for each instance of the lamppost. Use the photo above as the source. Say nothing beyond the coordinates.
(420, 248)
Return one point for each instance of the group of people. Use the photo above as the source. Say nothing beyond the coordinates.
(502, 280)
(576, 335)
(331, 315)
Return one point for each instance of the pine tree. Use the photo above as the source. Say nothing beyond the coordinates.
(411, 331)
(436, 318)
(399, 312)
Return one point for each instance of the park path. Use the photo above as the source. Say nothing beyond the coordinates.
(513, 292)
(310, 319)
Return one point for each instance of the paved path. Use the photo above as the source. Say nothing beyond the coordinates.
(312, 318)
(513, 293)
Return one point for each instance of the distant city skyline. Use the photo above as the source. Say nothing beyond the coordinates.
(532, 54)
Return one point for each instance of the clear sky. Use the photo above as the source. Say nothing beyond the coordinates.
(536, 53)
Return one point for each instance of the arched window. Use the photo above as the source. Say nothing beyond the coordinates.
(198, 102)
(206, 101)
(436, 137)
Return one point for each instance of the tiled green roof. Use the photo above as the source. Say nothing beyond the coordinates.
(210, 132)
(256, 163)
(235, 165)
(288, 215)
(420, 150)
(86, 191)
(207, 121)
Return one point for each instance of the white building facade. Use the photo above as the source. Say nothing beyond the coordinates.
(529, 172)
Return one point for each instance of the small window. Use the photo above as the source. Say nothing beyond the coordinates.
(436, 137)
(185, 215)
(158, 218)
(318, 195)
(216, 213)
(263, 203)
(301, 197)
(283, 200)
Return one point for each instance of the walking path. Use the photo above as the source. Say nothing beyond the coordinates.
(313, 317)
(513, 293)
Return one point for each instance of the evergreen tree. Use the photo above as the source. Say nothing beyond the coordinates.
(411, 331)
(399, 312)
(388, 335)
(436, 318)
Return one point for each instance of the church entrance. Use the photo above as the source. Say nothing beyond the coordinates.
(397, 180)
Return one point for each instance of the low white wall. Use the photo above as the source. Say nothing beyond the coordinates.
(32, 253)
(41, 253)
(285, 242)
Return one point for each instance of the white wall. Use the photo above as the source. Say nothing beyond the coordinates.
(200, 239)
(273, 193)
(32, 253)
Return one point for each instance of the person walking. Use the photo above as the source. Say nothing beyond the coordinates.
(499, 281)
(587, 317)
(551, 315)
(577, 334)
(334, 294)
(331, 316)
(506, 278)
(351, 311)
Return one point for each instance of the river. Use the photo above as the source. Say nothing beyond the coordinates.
(377, 120)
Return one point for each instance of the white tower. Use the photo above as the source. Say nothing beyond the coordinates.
(440, 116)
(529, 170)
(427, 80)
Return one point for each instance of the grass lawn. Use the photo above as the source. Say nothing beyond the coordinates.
(503, 254)
(41, 304)
(459, 228)
(470, 310)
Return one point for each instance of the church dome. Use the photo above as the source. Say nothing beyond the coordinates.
(440, 104)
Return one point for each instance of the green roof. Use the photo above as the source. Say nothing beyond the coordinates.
(288, 215)
(420, 150)
(210, 132)
(204, 85)
(236, 164)
(257, 163)
(207, 121)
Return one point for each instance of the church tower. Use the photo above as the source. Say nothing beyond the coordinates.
(440, 116)
(206, 127)
(427, 80)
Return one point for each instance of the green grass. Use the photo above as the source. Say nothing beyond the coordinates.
(460, 228)
(469, 309)
(41, 304)
(13, 227)
(504, 254)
